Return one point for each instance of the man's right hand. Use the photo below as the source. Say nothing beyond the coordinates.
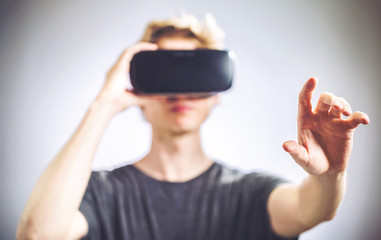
(52, 209)
(114, 94)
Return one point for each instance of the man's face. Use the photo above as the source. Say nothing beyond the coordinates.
(177, 114)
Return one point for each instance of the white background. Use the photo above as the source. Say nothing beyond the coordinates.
(54, 56)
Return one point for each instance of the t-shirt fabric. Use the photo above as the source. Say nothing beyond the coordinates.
(221, 203)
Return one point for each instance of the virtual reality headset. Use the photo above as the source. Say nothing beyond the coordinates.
(200, 72)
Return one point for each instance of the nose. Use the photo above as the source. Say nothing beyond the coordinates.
(176, 98)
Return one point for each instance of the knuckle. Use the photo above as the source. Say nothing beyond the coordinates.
(343, 100)
(328, 95)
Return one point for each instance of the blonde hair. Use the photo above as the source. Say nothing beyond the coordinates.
(207, 32)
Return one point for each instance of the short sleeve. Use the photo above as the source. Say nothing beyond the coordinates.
(89, 210)
(262, 185)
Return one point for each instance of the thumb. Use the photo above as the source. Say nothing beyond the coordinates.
(297, 152)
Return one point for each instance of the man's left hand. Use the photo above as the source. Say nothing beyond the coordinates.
(325, 138)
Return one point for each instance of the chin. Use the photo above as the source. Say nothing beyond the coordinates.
(180, 125)
(181, 129)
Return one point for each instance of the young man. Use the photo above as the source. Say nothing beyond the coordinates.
(176, 191)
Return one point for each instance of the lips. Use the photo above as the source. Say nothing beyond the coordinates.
(180, 109)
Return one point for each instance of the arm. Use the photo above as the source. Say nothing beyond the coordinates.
(294, 209)
(323, 149)
(52, 209)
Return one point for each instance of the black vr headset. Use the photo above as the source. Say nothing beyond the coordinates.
(201, 71)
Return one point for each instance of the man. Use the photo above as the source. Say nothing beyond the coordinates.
(176, 191)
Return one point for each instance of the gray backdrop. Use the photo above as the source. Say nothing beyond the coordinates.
(54, 56)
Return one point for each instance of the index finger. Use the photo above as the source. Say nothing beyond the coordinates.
(305, 94)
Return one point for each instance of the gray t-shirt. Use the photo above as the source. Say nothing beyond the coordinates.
(221, 203)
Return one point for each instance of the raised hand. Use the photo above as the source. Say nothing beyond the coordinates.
(325, 138)
(114, 91)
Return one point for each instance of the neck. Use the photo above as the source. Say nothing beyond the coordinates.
(175, 157)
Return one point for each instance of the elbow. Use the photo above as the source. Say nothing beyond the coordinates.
(323, 218)
(306, 225)
(29, 230)
(329, 216)
(26, 231)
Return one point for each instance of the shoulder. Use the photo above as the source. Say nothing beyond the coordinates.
(109, 179)
(232, 174)
(248, 182)
(118, 172)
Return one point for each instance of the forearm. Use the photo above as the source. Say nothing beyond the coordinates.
(294, 209)
(59, 190)
(319, 197)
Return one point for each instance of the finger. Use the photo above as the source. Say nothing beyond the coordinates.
(138, 99)
(357, 118)
(141, 100)
(128, 53)
(347, 110)
(145, 99)
(325, 102)
(297, 152)
(134, 99)
(336, 108)
(305, 94)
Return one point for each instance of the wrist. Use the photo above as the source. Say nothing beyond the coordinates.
(330, 176)
(104, 108)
